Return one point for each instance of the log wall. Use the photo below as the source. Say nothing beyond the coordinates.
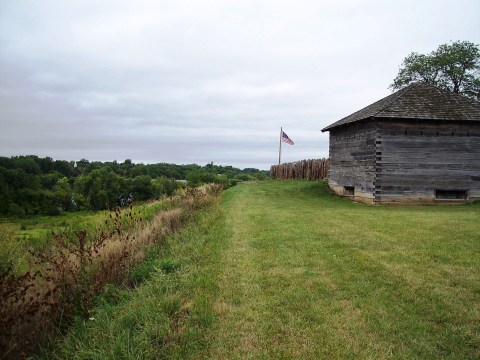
(406, 161)
(414, 160)
(352, 161)
(315, 169)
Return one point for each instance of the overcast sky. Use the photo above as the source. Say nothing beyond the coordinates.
(200, 81)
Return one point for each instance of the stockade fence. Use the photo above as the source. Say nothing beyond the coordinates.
(314, 169)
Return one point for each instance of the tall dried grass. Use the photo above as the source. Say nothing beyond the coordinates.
(61, 282)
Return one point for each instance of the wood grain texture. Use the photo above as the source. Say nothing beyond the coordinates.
(352, 160)
(315, 169)
(405, 161)
(414, 158)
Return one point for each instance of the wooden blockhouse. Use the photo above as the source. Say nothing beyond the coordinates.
(419, 145)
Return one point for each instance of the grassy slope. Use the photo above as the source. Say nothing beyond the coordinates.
(310, 275)
(17, 235)
(284, 270)
(169, 314)
(36, 229)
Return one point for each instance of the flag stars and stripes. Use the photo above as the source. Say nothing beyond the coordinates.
(286, 139)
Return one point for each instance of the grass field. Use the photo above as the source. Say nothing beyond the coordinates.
(285, 270)
(18, 235)
(37, 229)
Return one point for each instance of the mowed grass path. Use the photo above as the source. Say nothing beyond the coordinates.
(306, 275)
(285, 270)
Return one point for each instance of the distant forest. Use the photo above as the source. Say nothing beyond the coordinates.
(30, 185)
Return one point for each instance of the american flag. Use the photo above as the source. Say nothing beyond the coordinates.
(286, 139)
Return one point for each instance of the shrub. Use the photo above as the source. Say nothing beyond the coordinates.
(61, 281)
(10, 247)
(16, 210)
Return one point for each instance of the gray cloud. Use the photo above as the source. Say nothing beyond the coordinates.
(190, 81)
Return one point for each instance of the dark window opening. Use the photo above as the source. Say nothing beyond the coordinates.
(450, 194)
(348, 190)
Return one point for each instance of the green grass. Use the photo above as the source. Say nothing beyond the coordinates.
(285, 270)
(169, 314)
(35, 228)
(18, 235)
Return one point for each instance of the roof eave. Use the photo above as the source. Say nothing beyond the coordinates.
(333, 126)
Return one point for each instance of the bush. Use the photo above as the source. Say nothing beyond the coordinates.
(163, 186)
(199, 177)
(244, 177)
(62, 280)
(16, 210)
(80, 202)
(261, 176)
(10, 247)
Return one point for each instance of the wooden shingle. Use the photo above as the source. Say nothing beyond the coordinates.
(417, 101)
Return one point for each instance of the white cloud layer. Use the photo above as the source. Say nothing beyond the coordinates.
(200, 81)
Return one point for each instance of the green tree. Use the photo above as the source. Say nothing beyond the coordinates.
(63, 195)
(164, 186)
(138, 170)
(50, 180)
(454, 67)
(199, 177)
(101, 189)
(26, 163)
(105, 189)
(142, 188)
(46, 164)
(64, 167)
(5, 192)
(261, 176)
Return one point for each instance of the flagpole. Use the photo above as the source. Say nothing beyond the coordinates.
(280, 147)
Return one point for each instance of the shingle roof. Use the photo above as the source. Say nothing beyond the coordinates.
(417, 101)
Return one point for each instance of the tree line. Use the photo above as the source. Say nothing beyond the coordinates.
(31, 185)
(454, 67)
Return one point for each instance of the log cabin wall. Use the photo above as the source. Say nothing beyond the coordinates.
(420, 144)
(352, 161)
(427, 162)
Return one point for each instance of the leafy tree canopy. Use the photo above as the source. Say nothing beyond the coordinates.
(454, 67)
(30, 185)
